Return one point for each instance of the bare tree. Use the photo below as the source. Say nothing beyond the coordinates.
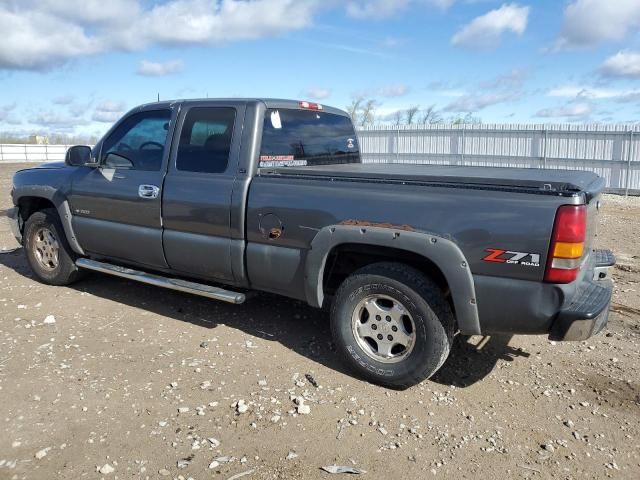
(411, 114)
(368, 112)
(397, 117)
(468, 119)
(362, 111)
(430, 115)
(353, 109)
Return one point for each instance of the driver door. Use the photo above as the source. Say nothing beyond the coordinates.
(116, 207)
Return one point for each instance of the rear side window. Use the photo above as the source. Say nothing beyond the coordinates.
(304, 137)
(205, 140)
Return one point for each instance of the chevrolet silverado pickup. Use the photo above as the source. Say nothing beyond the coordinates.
(223, 197)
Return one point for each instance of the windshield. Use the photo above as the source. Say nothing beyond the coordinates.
(303, 137)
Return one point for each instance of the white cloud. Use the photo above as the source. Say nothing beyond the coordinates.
(108, 111)
(63, 100)
(391, 91)
(210, 21)
(589, 22)
(105, 117)
(585, 92)
(153, 69)
(56, 121)
(622, 64)
(571, 110)
(512, 80)
(92, 11)
(5, 111)
(110, 106)
(39, 34)
(394, 90)
(385, 8)
(485, 31)
(318, 93)
(33, 39)
(475, 103)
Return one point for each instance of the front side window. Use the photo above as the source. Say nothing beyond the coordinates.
(138, 142)
(205, 140)
(304, 137)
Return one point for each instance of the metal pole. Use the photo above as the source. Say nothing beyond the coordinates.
(628, 182)
(462, 146)
(26, 158)
(398, 145)
(544, 148)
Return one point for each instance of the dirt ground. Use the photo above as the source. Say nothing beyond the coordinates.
(132, 381)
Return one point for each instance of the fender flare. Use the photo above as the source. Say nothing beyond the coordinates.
(61, 204)
(444, 253)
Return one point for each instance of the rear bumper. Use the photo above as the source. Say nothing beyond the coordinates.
(586, 316)
(587, 313)
(572, 311)
(14, 218)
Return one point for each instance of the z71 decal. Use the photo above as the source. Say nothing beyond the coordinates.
(497, 255)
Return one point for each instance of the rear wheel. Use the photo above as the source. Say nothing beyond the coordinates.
(48, 252)
(392, 324)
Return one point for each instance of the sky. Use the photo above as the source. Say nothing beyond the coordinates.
(76, 66)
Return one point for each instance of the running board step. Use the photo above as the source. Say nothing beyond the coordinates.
(165, 282)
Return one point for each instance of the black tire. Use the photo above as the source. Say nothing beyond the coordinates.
(420, 297)
(65, 272)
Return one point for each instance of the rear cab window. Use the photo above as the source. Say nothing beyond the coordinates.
(302, 138)
(205, 140)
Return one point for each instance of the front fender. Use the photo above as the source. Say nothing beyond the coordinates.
(59, 201)
(444, 253)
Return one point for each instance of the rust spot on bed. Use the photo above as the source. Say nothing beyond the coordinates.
(365, 223)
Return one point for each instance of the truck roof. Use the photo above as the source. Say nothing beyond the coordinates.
(268, 102)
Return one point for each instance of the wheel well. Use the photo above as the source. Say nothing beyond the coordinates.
(30, 205)
(345, 259)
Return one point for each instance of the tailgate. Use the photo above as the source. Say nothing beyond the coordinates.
(593, 197)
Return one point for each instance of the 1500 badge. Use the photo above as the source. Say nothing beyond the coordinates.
(497, 255)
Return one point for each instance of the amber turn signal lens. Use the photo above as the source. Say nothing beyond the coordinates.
(568, 250)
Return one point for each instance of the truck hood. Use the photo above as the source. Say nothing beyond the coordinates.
(52, 165)
(559, 181)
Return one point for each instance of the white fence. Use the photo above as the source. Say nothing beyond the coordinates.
(16, 152)
(611, 151)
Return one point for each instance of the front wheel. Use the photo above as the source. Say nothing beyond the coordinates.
(392, 324)
(48, 252)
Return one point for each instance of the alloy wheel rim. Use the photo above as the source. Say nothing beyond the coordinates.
(46, 248)
(383, 328)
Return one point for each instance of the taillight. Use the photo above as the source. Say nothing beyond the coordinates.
(310, 106)
(567, 244)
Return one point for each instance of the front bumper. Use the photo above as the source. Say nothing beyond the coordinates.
(588, 311)
(14, 223)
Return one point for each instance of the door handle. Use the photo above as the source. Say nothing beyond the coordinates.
(148, 192)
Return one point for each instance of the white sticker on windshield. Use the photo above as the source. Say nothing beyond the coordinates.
(350, 143)
(275, 120)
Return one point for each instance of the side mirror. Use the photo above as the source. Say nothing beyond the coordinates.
(78, 155)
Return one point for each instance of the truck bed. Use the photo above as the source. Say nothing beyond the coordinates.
(556, 182)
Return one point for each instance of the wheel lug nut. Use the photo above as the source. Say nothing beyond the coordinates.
(378, 318)
(380, 337)
(389, 337)
(394, 328)
(388, 318)
(374, 327)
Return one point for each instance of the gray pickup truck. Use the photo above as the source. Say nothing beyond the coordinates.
(223, 197)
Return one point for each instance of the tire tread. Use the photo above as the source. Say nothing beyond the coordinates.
(428, 291)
